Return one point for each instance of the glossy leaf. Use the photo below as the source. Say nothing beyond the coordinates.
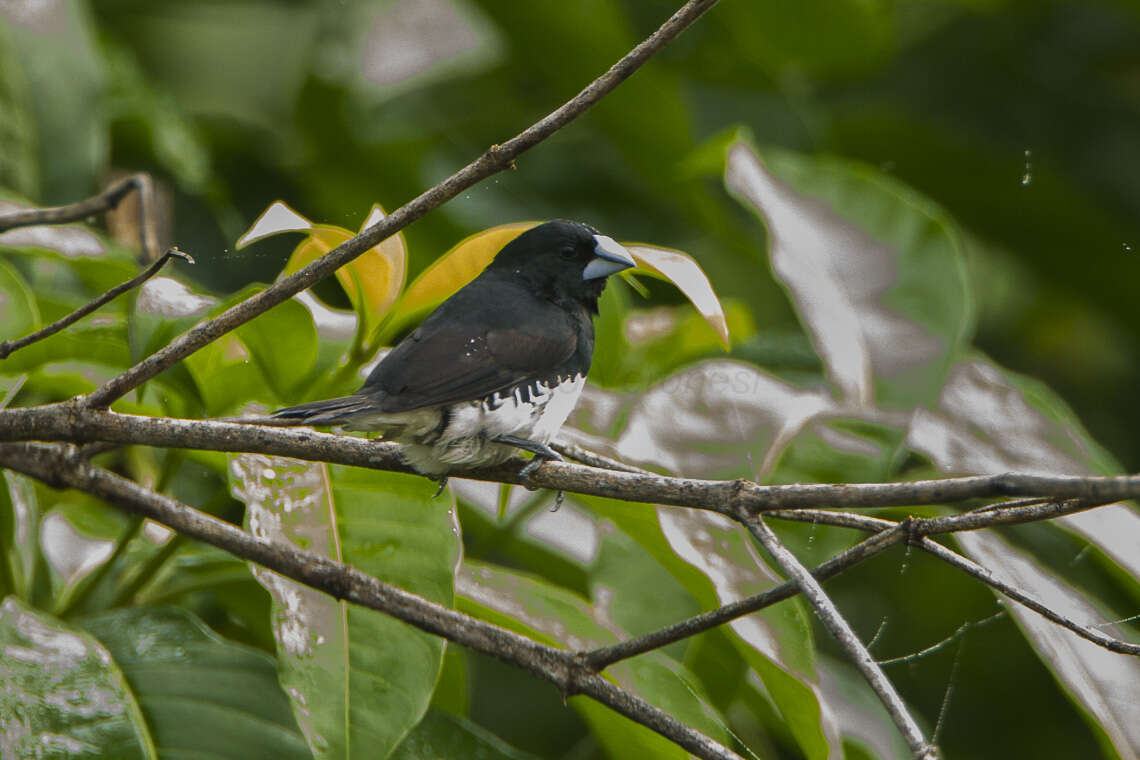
(876, 272)
(715, 565)
(359, 680)
(226, 375)
(201, 696)
(20, 518)
(555, 616)
(283, 344)
(372, 281)
(1102, 682)
(988, 422)
(719, 418)
(64, 696)
(682, 270)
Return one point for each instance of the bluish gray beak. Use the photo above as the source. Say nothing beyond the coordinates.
(611, 256)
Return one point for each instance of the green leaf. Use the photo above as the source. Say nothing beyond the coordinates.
(202, 696)
(558, 617)
(372, 281)
(1036, 432)
(64, 696)
(18, 313)
(686, 274)
(283, 343)
(444, 736)
(713, 560)
(20, 517)
(360, 680)
(876, 271)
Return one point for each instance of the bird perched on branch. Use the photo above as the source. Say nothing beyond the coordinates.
(497, 367)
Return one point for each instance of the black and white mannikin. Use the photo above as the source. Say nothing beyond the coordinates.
(498, 366)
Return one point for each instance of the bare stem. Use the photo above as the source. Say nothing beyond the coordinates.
(838, 626)
(105, 201)
(603, 657)
(914, 531)
(8, 346)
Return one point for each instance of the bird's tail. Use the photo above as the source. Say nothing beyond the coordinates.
(332, 411)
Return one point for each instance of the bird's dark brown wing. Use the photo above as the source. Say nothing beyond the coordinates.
(486, 338)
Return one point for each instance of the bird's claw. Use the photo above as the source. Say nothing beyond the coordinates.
(442, 485)
(531, 468)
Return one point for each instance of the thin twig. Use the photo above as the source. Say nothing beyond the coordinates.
(959, 632)
(1027, 510)
(838, 626)
(61, 467)
(600, 658)
(913, 530)
(105, 201)
(8, 346)
(889, 534)
(497, 158)
(594, 459)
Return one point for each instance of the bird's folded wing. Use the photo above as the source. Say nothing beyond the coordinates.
(454, 362)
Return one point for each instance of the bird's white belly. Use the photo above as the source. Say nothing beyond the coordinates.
(468, 438)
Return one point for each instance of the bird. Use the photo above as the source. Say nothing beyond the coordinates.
(497, 368)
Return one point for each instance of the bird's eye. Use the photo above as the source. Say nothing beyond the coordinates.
(568, 252)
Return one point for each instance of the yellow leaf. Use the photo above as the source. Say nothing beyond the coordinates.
(380, 273)
(372, 281)
(453, 270)
(682, 270)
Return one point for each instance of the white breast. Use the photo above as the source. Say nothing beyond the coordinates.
(535, 413)
(561, 401)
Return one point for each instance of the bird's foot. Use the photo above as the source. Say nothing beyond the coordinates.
(542, 453)
(558, 499)
(442, 485)
(532, 466)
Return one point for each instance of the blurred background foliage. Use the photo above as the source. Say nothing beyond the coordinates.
(1019, 119)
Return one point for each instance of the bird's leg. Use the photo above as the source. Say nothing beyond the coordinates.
(442, 485)
(541, 451)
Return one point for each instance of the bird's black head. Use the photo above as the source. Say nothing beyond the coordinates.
(563, 260)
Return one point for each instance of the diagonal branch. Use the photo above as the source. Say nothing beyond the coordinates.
(62, 467)
(842, 631)
(603, 657)
(914, 530)
(496, 159)
(8, 346)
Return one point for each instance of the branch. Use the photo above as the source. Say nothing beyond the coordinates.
(71, 423)
(838, 626)
(105, 201)
(494, 160)
(603, 657)
(887, 535)
(914, 530)
(62, 467)
(8, 346)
